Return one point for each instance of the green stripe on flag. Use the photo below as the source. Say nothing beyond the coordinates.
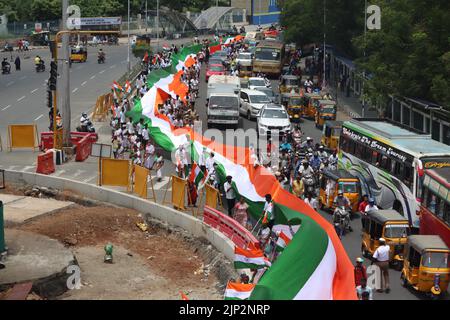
(299, 260)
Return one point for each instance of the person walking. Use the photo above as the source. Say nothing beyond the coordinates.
(229, 195)
(381, 256)
(240, 212)
(17, 63)
(359, 271)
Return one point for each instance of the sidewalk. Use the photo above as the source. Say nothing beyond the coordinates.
(352, 105)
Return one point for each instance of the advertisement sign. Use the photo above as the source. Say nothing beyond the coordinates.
(38, 27)
(100, 21)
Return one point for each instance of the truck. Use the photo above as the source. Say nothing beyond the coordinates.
(223, 100)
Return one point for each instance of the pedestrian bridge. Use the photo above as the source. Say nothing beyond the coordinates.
(221, 18)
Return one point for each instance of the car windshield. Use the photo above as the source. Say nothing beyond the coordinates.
(291, 82)
(216, 68)
(267, 54)
(244, 56)
(223, 102)
(435, 260)
(257, 82)
(274, 114)
(260, 98)
(348, 187)
(296, 102)
(268, 92)
(328, 110)
(215, 61)
(396, 231)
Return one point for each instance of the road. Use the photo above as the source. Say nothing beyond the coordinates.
(24, 95)
(87, 171)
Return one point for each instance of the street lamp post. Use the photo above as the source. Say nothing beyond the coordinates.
(128, 51)
(364, 54)
(324, 42)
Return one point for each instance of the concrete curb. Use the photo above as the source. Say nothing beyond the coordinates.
(171, 216)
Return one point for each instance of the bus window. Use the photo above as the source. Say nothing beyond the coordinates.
(385, 163)
(398, 170)
(375, 158)
(359, 150)
(446, 213)
(376, 229)
(407, 175)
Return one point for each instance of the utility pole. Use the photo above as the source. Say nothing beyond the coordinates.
(146, 16)
(128, 51)
(157, 25)
(364, 70)
(324, 42)
(64, 87)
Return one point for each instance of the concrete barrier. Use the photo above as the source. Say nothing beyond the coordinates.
(171, 216)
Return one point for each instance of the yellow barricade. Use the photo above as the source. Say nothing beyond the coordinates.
(115, 172)
(23, 136)
(140, 181)
(211, 196)
(178, 192)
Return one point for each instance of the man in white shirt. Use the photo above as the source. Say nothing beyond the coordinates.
(202, 160)
(130, 127)
(371, 207)
(145, 135)
(311, 201)
(229, 195)
(210, 162)
(268, 214)
(381, 255)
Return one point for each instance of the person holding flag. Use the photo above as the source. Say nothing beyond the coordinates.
(268, 214)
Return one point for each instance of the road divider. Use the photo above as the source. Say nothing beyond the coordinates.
(83, 148)
(45, 163)
(75, 137)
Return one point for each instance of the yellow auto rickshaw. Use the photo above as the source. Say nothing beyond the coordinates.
(387, 224)
(334, 181)
(426, 267)
(78, 54)
(245, 71)
(325, 110)
(295, 107)
(309, 109)
(143, 40)
(289, 83)
(330, 134)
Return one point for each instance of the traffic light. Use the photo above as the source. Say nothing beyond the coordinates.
(53, 75)
(49, 99)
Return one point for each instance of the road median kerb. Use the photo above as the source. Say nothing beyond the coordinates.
(193, 225)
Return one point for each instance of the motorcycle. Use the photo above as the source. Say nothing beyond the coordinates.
(309, 183)
(40, 67)
(6, 69)
(341, 217)
(89, 127)
(101, 59)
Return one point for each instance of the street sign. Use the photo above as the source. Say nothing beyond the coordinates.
(100, 21)
(101, 150)
(38, 27)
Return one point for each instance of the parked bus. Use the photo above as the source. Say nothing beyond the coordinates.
(435, 208)
(390, 160)
(269, 58)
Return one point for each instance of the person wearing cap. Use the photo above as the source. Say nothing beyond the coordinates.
(341, 200)
(359, 271)
(381, 256)
(229, 195)
(308, 143)
(371, 207)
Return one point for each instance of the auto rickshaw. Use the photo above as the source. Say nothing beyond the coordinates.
(325, 110)
(245, 71)
(143, 40)
(426, 267)
(390, 225)
(330, 134)
(309, 110)
(289, 83)
(284, 98)
(78, 54)
(334, 181)
(295, 107)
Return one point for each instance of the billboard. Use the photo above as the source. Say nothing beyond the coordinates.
(101, 21)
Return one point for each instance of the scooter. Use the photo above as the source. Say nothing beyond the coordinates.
(86, 128)
(40, 67)
(341, 216)
(6, 69)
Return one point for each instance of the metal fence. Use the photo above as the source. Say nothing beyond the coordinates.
(22, 29)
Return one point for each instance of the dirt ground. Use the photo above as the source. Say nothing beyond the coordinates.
(147, 265)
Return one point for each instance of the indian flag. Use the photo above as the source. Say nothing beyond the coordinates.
(282, 241)
(213, 47)
(127, 87)
(117, 86)
(249, 259)
(196, 176)
(314, 265)
(238, 291)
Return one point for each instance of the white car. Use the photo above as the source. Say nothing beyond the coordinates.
(244, 59)
(273, 117)
(251, 102)
(255, 82)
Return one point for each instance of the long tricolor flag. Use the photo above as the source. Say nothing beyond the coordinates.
(197, 175)
(238, 291)
(314, 265)
(249, 259)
